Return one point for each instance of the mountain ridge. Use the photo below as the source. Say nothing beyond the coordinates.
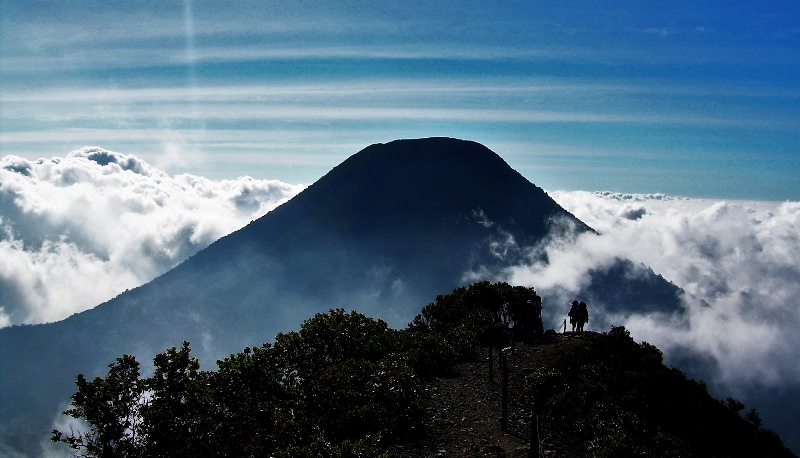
(383, 232)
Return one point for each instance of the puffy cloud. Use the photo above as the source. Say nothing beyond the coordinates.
(77, 230)
(738, 261)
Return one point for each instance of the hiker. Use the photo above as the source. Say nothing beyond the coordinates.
(582, 316)
(573, 314)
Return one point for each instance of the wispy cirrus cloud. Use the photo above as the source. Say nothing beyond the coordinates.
(440, 100)
(588, 78)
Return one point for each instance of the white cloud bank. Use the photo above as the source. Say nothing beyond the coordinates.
(740, 262)
(77, 230)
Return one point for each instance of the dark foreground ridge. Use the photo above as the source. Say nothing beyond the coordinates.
(620, 411)
(472, 375)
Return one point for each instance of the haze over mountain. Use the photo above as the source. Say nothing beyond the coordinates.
(383, 233)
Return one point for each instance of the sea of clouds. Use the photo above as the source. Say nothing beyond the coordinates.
(78, 230)
(739, 262)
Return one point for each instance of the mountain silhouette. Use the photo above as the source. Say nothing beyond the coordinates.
(383, 233)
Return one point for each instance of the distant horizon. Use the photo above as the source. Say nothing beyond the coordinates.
(311, 173)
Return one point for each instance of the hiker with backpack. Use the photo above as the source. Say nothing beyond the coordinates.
(582, 316)
(573, 314)
(578, 316)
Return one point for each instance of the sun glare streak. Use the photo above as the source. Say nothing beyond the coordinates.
(174, 147)
(188, 27)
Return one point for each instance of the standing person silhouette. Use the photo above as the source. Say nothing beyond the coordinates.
(582, 316)
(573, 314)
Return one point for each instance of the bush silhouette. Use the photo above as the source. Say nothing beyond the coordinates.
(346, 385)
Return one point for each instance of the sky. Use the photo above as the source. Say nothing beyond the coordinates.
(697, 99)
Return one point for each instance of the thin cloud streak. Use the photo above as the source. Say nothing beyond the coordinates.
(387, 86)
(316, 113)
(589, 77)
(131, 56)
(552, 101)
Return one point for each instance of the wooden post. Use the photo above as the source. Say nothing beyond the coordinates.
(534, 451)
(504, 401)
(500, 358)
(491, 365)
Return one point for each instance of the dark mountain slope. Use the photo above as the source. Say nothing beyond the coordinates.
(384, 232)
(404, 198)
(435, 182)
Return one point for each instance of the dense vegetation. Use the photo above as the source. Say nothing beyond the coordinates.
(343, 385)
(346, 385)
(617, 399)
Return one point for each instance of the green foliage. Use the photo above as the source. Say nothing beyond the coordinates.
(753, 417)
(544, 384)
(600, 403)
(254, 404)
(174, 419)
(618, 400)
(112, 408)
(343, 385)
(483, 313)
(734, 405)
(351, 377)
(320, 448)
(339, 387)
(346, 386)
(333, 338)
(603, 400)
(429, 352)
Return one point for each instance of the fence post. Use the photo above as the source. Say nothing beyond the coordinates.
(500, 358)
(504, 401)
(535, 450)
(491, 365)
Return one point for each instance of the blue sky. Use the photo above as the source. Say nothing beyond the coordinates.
(698, 99)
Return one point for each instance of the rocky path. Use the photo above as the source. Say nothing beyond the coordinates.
(465, 408)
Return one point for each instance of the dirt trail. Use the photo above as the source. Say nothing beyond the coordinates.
(465, 408)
